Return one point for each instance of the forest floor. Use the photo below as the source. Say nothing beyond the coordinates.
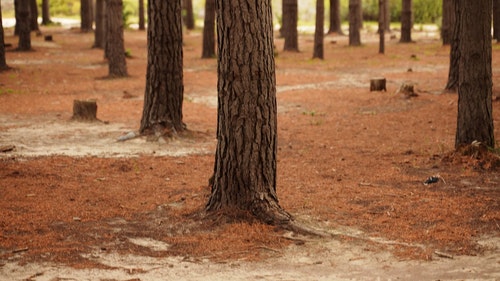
(76, 204)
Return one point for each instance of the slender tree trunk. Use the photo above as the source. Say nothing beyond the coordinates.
(354, 35)
(86, 18)
(381, 29)
(387, 15)
(114, 39)
(100, 24)
(23, 25)
(496, 20)
(319, 30)
(245, 160)
(162, 114)
(448, 21)
(335, 22)
(289, 29)
(406, 21)
(34, 16)
(3, 61)
(209, 30)
(189, 16)
(142, 20)
(453, 71)
(475, 114)
(46, 12)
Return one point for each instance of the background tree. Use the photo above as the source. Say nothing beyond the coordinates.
(115, 46)
(318, 51)
(453, 71)
(162, 113)
(46, 12)
(208, 50)
(289, 29)
(354, 35)
(475, 113)
(3, 61)
(189, 14)
(387, 15)
(23, 25)
(496, 20)
(448, 21)
(406, 21)
(142, 20)
(245, 160)
(100, 24)
(34, 16)
(86, 15)
(335, 22)
(381, 25)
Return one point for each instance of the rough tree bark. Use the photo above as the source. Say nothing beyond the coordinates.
(406, 21)
(162, 112)
(475, 114)
(86, 17)
(208, 50)
(289, 28)
(354, 14)
(318, 51)
(115, 46)
(448, 21)
(100, 24)
(335, 22)
(453, 71)
(23, 25)
(245, 160)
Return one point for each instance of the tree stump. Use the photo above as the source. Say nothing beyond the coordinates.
(407, 90)
(378, 84)
(84, 110)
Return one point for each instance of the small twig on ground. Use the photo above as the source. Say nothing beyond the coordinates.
(20, 250)
(443, 255)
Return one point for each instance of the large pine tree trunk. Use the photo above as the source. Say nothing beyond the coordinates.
(34, 16)
(245, 161)
(162, 113)
(318, 51)
(406, 21)
(100, 24)
(335, 22)
(115, 46)
(354, 22)
(448, 21)
(46, 12)
(3, 61)
(142, 20)
(453, 71)
(289, 30)
(208, 50)
(86, 17)
(475, 115)
(23, 25)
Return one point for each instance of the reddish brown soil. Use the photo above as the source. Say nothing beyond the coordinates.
(349, 159)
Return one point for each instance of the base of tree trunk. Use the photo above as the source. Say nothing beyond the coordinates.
(84, 110)
(378, 84)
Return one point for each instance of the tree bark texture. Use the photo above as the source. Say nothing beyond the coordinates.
(142, 20)
(496, 20)
(3, 61)
(354, 35)
(162, 113)
(34, 16)
(100, 24)
(208, 50)
(453, 71)
(475, 114)
(86, 17)
(406, 21)
(189, 15)
(318, 51)
(46, 12)
(23, 25)
(448, 21)
(289, 29)
(245, 160)
(115, 46)
(335, 22)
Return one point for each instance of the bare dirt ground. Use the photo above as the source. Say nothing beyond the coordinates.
(76, 204)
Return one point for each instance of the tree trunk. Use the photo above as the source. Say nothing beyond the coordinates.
(46, 12)
(245, 160)
(289, 29)
(3, 61)
(189, 16)
(209, 30)
(387, 15)
(453, 72)
(34, 16)
(142, 20)
(86, 18)
(496, 20)
(162, 113)
(448, 21)
(406, 21)
(335, 22)
(100, 24)
(354, 35)
(23, 25)
(381, 28)
(475, 114)
(318, 51)
(115, 46)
